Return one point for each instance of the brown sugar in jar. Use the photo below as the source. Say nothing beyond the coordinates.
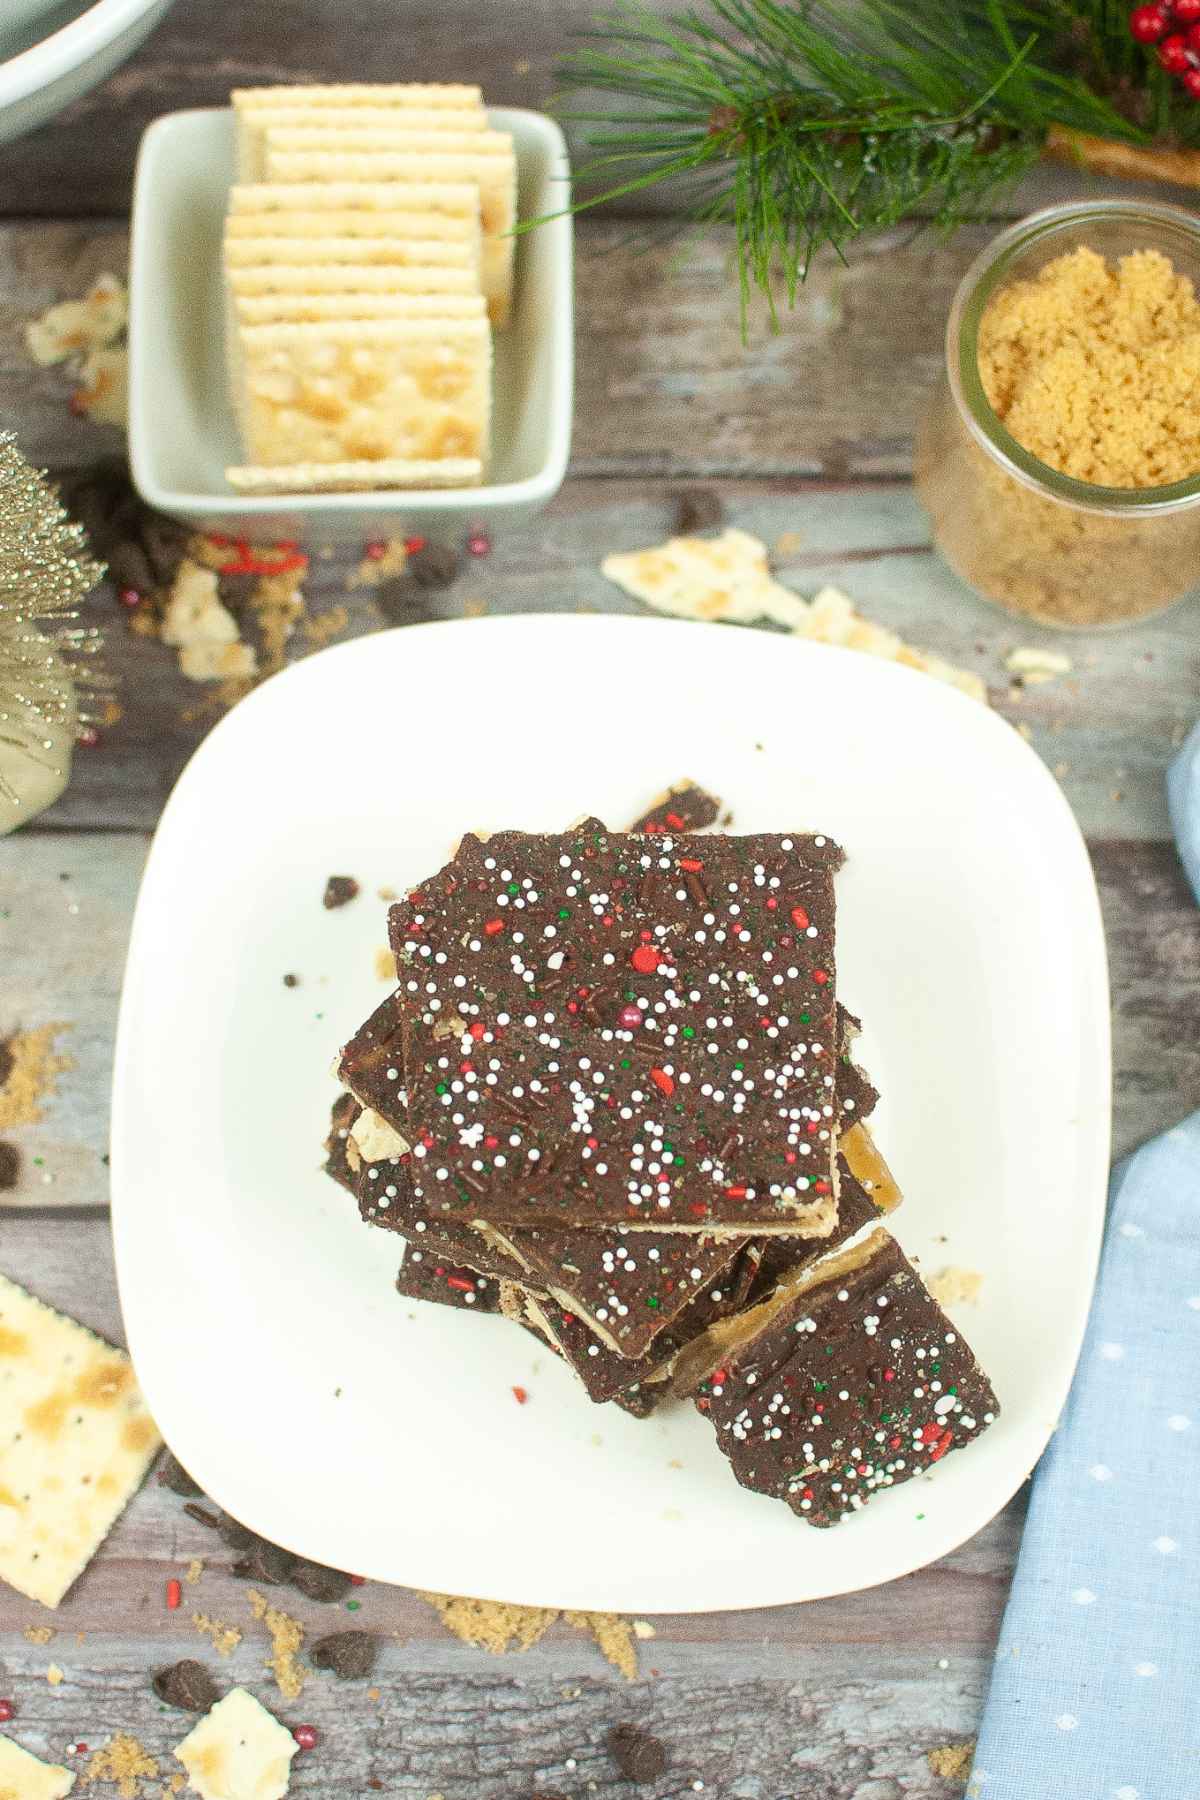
(1060, 462)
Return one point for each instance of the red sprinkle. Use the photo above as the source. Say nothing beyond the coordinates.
(375, 551)
(645, 959)
(737, 1192)
(6, 1711)
(129, 596)
(492, 927)
(692, 864)
(174, 1596)
(413, 544)
(307, 1736)
(820, 977)
(457, 1282)
(477, 1028)
(479, 543)
(520, 1395)
(358, 1581)
(662, 1081)
(800, 918)
(87, 737)
(675, 822)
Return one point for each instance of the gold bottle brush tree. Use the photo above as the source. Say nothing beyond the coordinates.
(48, 660)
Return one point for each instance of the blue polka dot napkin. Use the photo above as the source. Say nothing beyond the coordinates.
(1095, 1694)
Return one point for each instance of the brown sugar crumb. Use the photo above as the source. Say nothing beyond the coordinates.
(224, 1638)
(37, 1634)
(1095, 368)
(385, 965)
(491, 1624)
(320, 629)
(195, 1570)
(32, 1067)
(952, 1762)
(124, 1761)
(953, 1286)
(614, 1638)
(287, 1637)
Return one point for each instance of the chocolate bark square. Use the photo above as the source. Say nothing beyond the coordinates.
(850, 1380)
(602, 1029)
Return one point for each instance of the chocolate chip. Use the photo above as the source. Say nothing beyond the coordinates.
(7, 1060)
(129, 567)
(187, 1685)
(349, 1654)
(402, 601)
(434, 565)
(639, 1756)
(265, 1562)
(291, 981)
(339, 891)
(319, 1583)
(173, 1475)
(10, 1165)
(698, 509)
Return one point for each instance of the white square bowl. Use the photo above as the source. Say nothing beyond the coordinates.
(182, 431)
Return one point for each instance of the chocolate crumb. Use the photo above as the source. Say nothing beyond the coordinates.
(639, 1756)
(10, 1166)
(211, 1521)
(698, 509)
(187, 1685)
(8, 1060)
(350, 1655)
(129, 567)
(319, 1583)
(265, 1562)
(237, 1536)
(173, 1475)
(291, 981)
(435, 565)
(402, 601)
(339, 891)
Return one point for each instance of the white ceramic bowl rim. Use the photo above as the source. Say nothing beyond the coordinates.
(66, 48)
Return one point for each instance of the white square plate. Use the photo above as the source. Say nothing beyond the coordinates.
(182, 432)
(382, 1435)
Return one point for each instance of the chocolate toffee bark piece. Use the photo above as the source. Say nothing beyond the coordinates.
(852, 1380)
(599, 1029)
(430, 1277)
(337, 1153)
(684, 807)
(867, 1192)
(372, 1064)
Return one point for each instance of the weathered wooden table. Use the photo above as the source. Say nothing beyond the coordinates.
(807, 434)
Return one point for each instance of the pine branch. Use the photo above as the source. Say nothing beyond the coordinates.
(803, 123)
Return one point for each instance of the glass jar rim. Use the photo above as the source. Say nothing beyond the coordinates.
(984, 276)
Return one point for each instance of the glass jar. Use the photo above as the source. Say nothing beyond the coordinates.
(1040, 543)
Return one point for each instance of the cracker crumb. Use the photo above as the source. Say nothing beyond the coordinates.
(71, 328)
(37, 1634)
(123, 1760)
(491, 1625)
(1032, 663)
(1026, 731)
(55, 1676)
(951, 1762)
(103, 391)
(195, 1570)
(224, 1638)
(32, 1067)
(788, 542)
(643, 1629)
(953, 1286)
(614, 1638)
(474, 607)
(385, 965)
(320, 629)
(386, 893)
(287, 1636)
(389, 559)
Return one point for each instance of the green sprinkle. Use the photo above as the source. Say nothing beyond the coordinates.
(920, 1515)
(512, 888)
(688, 1032)
(564, 912)
(625, 1063)
(440, 1088)
(739, 1065)
(353, 1605)
(38, 1161)
(806, 1018)
(820, 1386)
(652, 1300)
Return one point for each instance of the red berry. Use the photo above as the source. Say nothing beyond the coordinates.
(1147, 23)
(129, 596)
(630, 1017)
(1193, 37)
(375, 551)
(645, 959)
(479, 543)
(6, 1711)
(1173, 54)
(1191, 82)
(1186, 12)
(307, 1736)
(87, 737)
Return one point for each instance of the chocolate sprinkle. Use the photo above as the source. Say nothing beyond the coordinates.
(173, 1475)
(350, 1655)
(339, 891)
(639, 1756)
(10, 1166)
(319, 1583)
(187, 1685)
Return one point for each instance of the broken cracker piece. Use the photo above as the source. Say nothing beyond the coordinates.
(953, 1286)
(238, 1751)
(26, 1777)
(78, 1444)
(73, 327)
